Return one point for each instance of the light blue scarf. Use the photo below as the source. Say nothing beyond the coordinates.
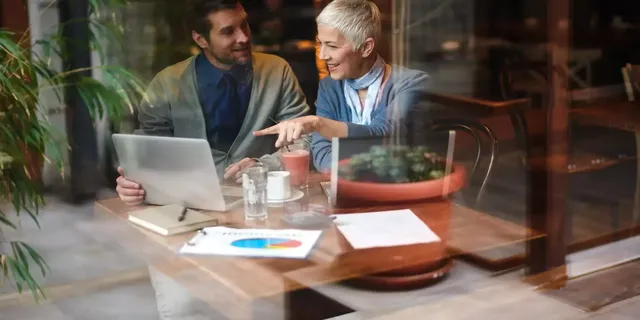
(371, 81)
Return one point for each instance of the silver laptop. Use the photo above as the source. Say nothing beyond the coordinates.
(175, 171)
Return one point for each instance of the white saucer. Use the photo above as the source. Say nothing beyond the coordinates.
(295, 195)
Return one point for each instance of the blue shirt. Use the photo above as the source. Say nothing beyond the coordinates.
(224, 97)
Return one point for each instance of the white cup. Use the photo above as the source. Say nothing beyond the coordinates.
(278, 187)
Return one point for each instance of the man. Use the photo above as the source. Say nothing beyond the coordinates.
(222, 95)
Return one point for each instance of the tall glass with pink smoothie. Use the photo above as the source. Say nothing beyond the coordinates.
(295, 159)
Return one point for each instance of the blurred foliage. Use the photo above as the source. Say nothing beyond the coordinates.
(25, 73)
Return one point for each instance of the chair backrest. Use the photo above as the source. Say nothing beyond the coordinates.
(486, 141)
(476, 130)
(631, 77)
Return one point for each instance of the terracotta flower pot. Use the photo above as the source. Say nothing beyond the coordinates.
(402, 192)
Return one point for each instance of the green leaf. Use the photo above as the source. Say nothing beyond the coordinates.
(6, 221)
(16, 273)
(20, 256)
(4, 268)
(22, 277)
(40, 262)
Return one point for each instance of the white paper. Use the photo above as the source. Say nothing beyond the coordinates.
(384, 229)
(265, 243)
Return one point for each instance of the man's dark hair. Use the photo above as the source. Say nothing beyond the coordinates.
(200, 9)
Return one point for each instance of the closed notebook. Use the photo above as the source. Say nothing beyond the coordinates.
(164, 220)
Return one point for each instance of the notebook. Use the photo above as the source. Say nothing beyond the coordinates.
(164, 220)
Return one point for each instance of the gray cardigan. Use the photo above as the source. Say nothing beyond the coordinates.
(171, 107)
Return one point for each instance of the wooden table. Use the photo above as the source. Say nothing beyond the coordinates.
(616, 114)
(242, 282)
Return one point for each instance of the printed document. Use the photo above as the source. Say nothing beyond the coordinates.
(384, 229)
(265, 243)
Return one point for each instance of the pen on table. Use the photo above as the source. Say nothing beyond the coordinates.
(183, 214)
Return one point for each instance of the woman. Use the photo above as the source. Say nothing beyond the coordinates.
(353, 101)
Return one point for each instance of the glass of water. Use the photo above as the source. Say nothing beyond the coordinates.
(254, 186)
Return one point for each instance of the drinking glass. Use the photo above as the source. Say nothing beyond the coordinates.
(254, 187)
(296, 158)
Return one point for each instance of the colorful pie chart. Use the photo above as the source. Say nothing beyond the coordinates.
(266, 243)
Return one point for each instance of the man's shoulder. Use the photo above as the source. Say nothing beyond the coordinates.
(176, 70)
(264, 63)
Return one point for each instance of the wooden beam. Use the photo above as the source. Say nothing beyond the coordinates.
(14, 16)
(83, 158)
(548, 184)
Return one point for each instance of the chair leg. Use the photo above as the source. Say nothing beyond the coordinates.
(520, 129)
(636, 204)
(569, 226)
(494, 151)
(472, 128)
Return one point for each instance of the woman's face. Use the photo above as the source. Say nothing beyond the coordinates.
(338, 54)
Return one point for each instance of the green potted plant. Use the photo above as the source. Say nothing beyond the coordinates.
(396, 173)
(25, 132)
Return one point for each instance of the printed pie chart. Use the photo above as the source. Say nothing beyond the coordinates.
(266, 243)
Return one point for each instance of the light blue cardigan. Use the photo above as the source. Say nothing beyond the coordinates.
(401, 92)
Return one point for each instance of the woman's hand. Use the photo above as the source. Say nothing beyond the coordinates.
(291, 130)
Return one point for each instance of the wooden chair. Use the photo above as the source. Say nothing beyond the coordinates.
(476, 130)
(484, 137)
(525, 79)
(585, 161)
(581, 160)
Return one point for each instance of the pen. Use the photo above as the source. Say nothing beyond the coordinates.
(183, 214)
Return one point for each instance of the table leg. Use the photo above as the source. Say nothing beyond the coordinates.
(636, 202)
(589, 82)
(306, 304)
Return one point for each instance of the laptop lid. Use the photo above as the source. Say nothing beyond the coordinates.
(172, 170)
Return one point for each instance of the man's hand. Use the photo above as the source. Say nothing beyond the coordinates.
(130, 192)
(291, 130)
(234, 171)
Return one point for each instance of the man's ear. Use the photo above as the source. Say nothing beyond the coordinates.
(367, 47)
(200, 40)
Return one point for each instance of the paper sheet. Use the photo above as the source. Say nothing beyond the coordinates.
(265, 243)
(384, 229)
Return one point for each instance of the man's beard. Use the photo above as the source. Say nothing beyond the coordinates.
(230, 60)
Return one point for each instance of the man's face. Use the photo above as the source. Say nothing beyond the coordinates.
(229, 41)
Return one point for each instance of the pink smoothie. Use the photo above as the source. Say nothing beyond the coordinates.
(297, 163)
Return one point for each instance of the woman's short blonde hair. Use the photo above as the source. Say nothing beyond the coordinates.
(357, 20)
